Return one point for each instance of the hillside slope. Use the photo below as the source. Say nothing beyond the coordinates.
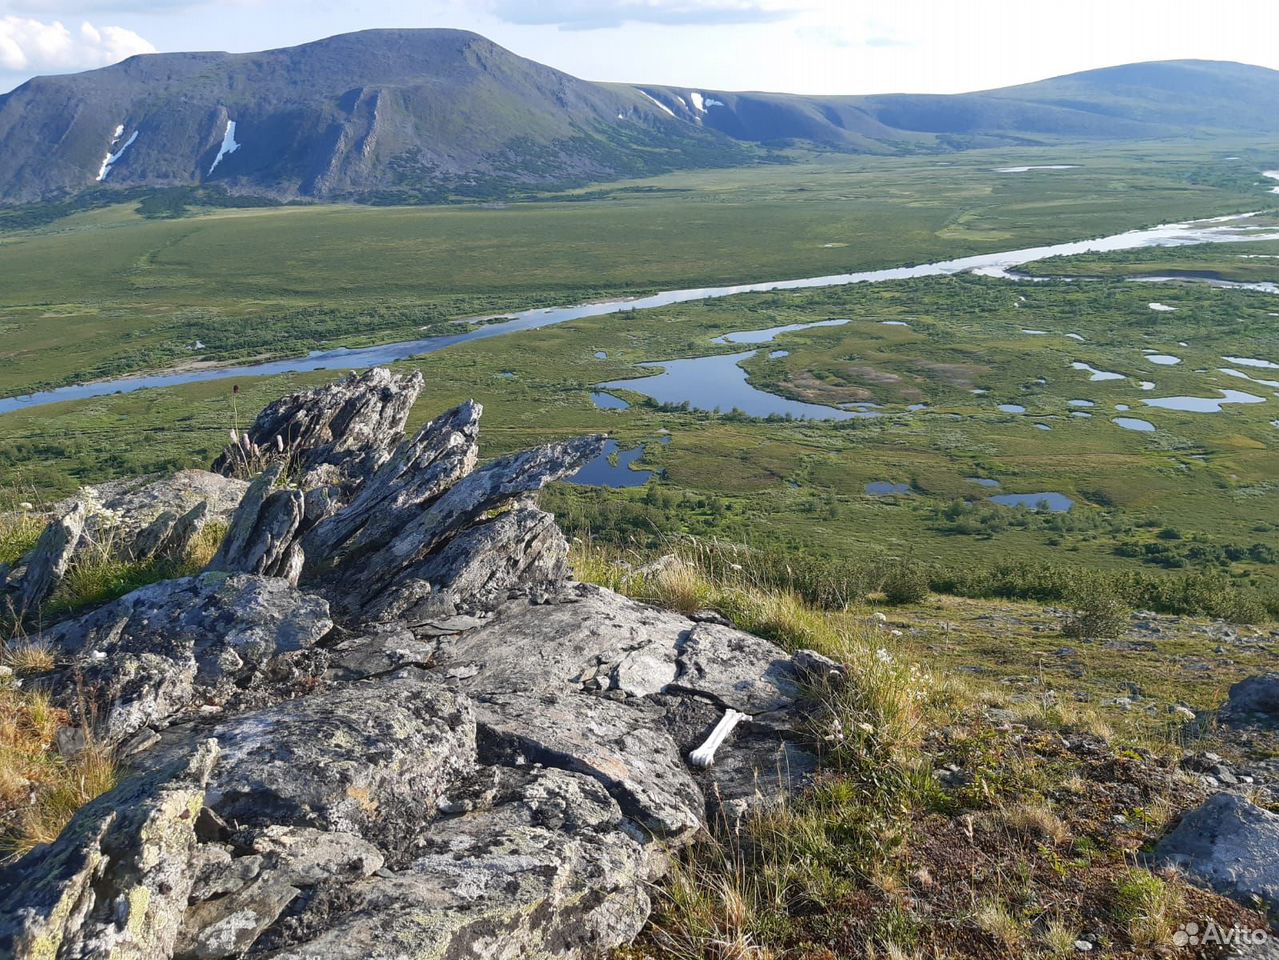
(397, 110)
(436, 114)
(1134, 101)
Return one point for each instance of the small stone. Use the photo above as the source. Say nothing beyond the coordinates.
(1083, 946)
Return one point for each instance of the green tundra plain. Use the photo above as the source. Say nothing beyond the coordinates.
(106, 292)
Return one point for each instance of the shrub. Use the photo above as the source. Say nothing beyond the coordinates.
(1098, 612)
(906, 582)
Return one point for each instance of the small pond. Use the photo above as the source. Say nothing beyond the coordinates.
(1203, 404)
(1252, 362)
(1096, 374)
(778, 354)
(983, 481)
(1163, 359)
(612, 468)
(1132, 423)
(601, 355)
(1230, 372)
(882, 488)
(1080, 403)
(1012, 408)
(1052, 502)
(719, 384)
(606, 401)
(1039, 166)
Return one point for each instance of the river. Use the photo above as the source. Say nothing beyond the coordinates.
(1215, 230)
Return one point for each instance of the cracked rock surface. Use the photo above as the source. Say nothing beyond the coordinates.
(387, 724)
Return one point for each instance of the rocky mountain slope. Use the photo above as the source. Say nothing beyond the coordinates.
(429, 114)
(381, 110)
(385, 721)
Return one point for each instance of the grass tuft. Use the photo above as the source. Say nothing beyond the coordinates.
(40, 790)
(1148, 906)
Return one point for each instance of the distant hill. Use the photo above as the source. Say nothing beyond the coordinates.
(1135, 101)
(433, 114)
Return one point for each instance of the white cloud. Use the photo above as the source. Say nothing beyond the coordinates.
(37, 47)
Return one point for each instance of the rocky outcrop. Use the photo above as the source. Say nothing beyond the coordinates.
(1228, 844)
(117, 881)
(182, 645)
(38, 573)
(340, 432)
(138, 520)
(430, 741)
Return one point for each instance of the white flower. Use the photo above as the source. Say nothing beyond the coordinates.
(883, 656)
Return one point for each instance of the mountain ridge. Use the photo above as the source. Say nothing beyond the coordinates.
(440, 114)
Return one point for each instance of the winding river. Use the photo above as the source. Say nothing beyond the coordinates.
(1215, 230)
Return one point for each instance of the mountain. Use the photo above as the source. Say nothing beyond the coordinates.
(401, 111)
(1135, 101)
(429, 114)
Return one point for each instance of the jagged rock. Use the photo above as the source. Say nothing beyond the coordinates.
(228, 926)
(261, 535)
(365, 758)
(545, 869)
(384, 649)
(116, 882)
(137, 519)
(476, 570)
(169, 536)
(216, 871)
(148, 656)
(1255, 695)
(443, 452)
(42, 569)
(601, 685)
(1230, 845)
(305, 857)
(482, 760)
(366, 570)
(351, 425)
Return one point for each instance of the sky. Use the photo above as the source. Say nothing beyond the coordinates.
(800, 46)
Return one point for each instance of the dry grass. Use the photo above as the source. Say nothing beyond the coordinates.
(1002, 924)
(1033, 821)
(928, 831)
(20, 528)
(40, 790)
(1058, 939)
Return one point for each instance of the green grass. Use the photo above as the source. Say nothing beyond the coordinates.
(880, 856)
(108, 291)
(358, 273)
